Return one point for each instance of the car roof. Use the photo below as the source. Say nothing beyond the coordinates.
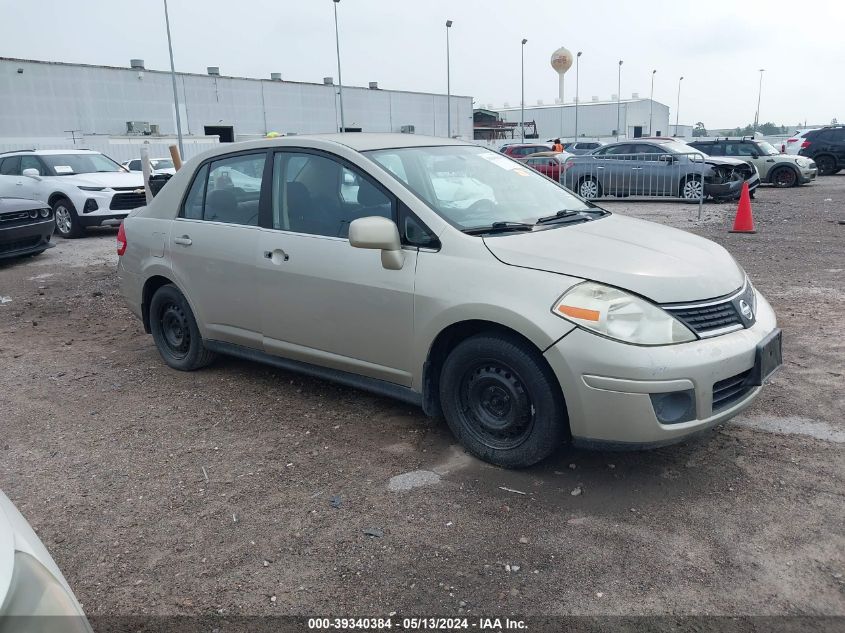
(543, 154)
(356, 141)
(48, 152)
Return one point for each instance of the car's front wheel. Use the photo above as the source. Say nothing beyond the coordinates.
(692, 188)
(67, 221)
(502, 401)
(589, 188)
(175, 331)
(784, 177)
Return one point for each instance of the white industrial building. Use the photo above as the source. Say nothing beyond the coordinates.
(54, 104)
(596, 119)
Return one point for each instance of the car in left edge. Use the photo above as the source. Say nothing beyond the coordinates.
(26, 227)
(34, 595)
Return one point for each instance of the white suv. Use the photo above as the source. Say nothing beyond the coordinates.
(157, 165)
(84, 188)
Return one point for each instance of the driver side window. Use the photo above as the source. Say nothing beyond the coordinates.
(318, 195)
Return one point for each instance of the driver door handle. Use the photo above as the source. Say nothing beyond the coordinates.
(184, 240)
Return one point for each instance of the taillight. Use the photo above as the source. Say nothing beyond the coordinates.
(791, 140)
(805, 144)
(121, 241)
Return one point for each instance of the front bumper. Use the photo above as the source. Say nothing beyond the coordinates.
(111, 219)
(28, 238)
(732, 189)
(607, 384)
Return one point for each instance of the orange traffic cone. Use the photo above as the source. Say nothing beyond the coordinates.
(744, 221)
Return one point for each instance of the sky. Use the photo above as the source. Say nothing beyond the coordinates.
(718, 46)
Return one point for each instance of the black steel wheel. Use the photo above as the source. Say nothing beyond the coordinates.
(175, 331)
(502, 401)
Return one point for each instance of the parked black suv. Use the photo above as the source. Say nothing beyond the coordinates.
(826, 146)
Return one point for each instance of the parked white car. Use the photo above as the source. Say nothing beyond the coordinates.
(793, 144)
(83, 187)
(31, 585)
(158, 166)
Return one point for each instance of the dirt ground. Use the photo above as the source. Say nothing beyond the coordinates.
(242, 489)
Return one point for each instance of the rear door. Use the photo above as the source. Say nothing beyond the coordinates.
(651, 176)
(214, 247)
(613, 166)
(323, 301)
(9, 169)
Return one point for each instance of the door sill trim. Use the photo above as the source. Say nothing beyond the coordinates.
(365, 383)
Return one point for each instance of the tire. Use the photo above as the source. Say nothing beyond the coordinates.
(502, 401)
(589, 188)
(175, 331)
(784, 177)
(691, 189)
(67, 220)
(826, 165)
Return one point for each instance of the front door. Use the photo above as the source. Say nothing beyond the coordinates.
(214, 248)
(323, 301)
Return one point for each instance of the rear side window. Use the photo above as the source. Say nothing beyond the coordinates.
(228, 190)
(10, 166)
(192, 208)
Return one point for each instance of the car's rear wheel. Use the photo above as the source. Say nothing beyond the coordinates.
(589, 188)
(175, 331)
(826, 165)
(67, 221)
(502, 401)
(692, 188)
(784, 177)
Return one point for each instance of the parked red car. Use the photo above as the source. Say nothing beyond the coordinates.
(520, 150)
(548, 163)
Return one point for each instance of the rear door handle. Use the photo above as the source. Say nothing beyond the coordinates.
(184, 240)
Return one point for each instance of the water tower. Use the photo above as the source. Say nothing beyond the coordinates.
(561, 62)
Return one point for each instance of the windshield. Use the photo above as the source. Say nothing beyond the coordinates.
(163, 163)
(766, 149)
(472, 186)
(69, 164)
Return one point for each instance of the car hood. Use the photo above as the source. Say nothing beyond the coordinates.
(723, 160)
(109, 179)
(663, 264)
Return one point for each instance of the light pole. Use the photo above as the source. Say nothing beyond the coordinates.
(448, 84)
(577, 59)
(678, 108)
(173, 78)
(619, 100)
(759, 94)
(651, 104)
(339, 78)
(522, 99)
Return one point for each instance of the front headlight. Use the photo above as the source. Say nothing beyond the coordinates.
(619, 315)
(36, 592)
(803, 162)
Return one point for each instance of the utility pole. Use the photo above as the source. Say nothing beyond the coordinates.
(339, 78)
(448, 84)
(577, 59)
(759, 94)
(678, 108)
(522, 99)
(173, 79)
(651, 104)
(619, 101)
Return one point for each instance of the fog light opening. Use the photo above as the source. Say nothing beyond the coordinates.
(674, 407)
(90, 205)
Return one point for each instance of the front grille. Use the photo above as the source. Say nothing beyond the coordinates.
(730, 390)
(127, 201)
(19, 245)
(14, 217)
(708, 318)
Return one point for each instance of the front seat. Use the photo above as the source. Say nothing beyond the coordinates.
(221, 206)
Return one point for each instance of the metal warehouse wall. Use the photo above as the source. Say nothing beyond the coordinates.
(595, 120)
(48, 99)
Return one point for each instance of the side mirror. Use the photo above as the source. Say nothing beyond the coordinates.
(31, 172)
(755, 155)
(378, 233)
(666, 158)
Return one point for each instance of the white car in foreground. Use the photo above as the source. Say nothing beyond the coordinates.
(83, 187)
(31, 585)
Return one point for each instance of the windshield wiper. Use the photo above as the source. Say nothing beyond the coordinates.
(565, 213)
(499, 227)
